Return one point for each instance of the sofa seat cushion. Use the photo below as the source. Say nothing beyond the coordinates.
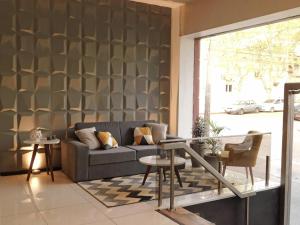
(114, 155)
(144, 150)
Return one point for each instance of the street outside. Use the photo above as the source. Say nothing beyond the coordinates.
(262, 122)
(268, 122)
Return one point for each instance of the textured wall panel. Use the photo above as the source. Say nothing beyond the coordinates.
(26, 121)
(8, 121)
(66, 61)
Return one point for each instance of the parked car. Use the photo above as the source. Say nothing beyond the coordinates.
(272, 105)
(244, 106)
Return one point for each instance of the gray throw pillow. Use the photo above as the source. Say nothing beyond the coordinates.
(159, 131)
(88, 137)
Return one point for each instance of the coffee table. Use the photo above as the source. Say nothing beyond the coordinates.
(161, 165)
(48, 154)
(158, 162)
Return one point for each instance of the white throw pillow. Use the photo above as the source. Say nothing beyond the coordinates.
(88, 137)
(159, 131)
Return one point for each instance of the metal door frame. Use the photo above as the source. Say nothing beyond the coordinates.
(290, 89)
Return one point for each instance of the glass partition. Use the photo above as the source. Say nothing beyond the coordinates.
(243, 157)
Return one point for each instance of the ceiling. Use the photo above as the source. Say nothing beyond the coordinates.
(166, 3)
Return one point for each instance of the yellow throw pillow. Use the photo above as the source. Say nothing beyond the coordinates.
(106, 140)
(143, 136)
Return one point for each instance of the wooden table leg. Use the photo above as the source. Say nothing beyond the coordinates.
(47, 161)
(160, 184)
(146, 174)
(178, 176)
(35, 149)
(47, 149)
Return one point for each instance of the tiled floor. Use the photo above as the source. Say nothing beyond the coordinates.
(42, 202)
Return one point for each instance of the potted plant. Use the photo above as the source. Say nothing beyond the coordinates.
(199, 146)
(213, 144)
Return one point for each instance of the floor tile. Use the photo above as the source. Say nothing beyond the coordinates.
(10, 207)
(75, 215)
(57, 198)
(147, 218)
(24, 219)
(120, 211)
(50, 195)
(101, 223)
(12, 191)
(42, 183)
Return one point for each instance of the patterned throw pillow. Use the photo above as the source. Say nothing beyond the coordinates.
(143, 136)
(106, 140)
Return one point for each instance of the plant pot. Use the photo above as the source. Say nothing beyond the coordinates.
(200, 148)
(213, 160)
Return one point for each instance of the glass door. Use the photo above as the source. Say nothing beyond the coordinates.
(290, 176)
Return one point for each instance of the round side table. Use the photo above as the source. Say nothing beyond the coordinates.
(48, 154)
(161, 164)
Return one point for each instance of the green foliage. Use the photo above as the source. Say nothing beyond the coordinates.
(215, 129)
(214, 143)
(268, 52)
(199, 127)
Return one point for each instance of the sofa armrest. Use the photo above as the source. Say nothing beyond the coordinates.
(75, 159)
(171, 137)
(179, 152)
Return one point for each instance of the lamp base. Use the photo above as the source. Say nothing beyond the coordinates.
(36, 171)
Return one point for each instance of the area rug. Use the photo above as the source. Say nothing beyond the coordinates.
(127, 190)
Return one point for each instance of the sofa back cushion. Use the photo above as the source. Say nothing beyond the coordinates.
(112, 127)
(70, 134)
(87, 136)
(127, 130)
(158, 130)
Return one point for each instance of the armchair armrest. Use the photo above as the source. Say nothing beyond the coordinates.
(75, 159)
(239, 146)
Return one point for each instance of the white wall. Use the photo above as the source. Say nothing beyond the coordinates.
(199, 15)
(185, 103)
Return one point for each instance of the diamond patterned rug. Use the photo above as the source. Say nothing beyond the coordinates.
(127, 190)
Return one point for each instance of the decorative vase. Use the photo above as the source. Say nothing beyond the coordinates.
(200, 148)
(36, 134)
(213, 160)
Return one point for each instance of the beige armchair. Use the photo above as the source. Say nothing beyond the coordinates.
(243, 154)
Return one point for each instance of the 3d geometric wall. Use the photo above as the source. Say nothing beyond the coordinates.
(65, 61)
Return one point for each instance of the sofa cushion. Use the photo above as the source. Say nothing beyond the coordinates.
(70, 134)
(143, 136)
(144, 150)
(127, 130)
(87, 136)
(112, 127)
(158, 130)
(106, 140)
(114, 155)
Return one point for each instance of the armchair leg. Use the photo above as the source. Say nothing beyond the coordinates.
(224, 170)
(165, 177)
(251, 174)
(246, 172)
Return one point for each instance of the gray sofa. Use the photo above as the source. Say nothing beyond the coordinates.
(81, 164)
